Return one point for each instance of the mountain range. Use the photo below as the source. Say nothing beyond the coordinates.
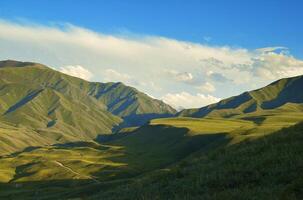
(62, 137)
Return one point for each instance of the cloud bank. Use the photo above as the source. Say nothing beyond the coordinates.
(77, 71)
(185, 100)
(162, 67)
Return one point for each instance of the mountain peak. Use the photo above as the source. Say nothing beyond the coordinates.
(15, 63)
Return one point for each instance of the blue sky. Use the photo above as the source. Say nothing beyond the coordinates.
(250, 24)
(237, 29)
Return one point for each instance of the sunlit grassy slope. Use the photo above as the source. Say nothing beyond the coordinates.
(140, 150)
(256, 124)
(78, 160)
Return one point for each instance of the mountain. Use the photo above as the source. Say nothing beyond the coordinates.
(232, 152)
(284, 94)
(135, 107)
(49, 107)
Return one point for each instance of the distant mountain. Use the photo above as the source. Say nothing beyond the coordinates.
(284, 94)
(48, 106)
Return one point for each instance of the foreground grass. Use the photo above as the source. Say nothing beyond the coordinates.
(265, 168)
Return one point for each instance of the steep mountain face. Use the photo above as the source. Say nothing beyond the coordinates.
(284, 94)
(136, 108)
(61, 108)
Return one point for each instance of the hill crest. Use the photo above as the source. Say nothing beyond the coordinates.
(272, 96)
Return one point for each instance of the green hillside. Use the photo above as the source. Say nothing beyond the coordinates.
(126, 101)
(53, 107)
(265, 168)
(276, 95)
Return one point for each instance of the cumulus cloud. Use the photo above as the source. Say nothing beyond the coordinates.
(139, 61)
(77, 71)
(179, 76)
(111, 75)
(185, 76)
(185, 100)
(207, 87)
(272, 66)
(217, 77)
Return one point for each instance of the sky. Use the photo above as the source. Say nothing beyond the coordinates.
(187, 53)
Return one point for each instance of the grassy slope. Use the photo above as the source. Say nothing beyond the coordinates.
(272, 96)
(266, 168)
(54, 107)
(135, 107)
(52, 111)
(144, 149)
(123, 101)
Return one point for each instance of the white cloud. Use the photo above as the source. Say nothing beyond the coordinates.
(179, 76)
(273, 66)
(140, 61)
(185, 76)
(77, 71)
(111, 75)
(186, 100)
(272, 49)
(217, 77)
(207, 87)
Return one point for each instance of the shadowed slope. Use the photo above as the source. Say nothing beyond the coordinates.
(135, 107)
(266, 168)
